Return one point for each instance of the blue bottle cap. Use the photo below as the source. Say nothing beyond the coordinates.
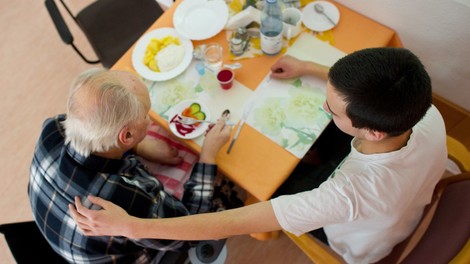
(200, 68)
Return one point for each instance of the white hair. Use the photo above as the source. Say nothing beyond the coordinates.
(96, 116)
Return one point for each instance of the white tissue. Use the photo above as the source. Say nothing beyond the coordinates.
(243, 18)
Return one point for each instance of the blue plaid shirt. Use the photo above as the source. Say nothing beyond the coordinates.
(58, 174)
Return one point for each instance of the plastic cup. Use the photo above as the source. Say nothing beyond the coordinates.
(225, 78)
(292, 18)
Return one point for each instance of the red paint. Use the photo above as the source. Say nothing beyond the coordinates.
(225, 78)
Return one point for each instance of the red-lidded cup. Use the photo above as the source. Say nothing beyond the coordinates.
(225, 77)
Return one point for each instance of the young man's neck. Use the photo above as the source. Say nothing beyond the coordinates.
(385, 145)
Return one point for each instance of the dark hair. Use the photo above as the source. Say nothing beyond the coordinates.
(386, 89)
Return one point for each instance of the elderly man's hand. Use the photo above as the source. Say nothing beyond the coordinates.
(217, 136)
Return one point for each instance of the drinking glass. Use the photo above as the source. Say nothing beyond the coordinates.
(213, 57)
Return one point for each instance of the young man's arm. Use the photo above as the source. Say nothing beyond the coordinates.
(289, 67)
(114, 221)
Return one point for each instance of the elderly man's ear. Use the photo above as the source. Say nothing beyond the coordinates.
(126, 137)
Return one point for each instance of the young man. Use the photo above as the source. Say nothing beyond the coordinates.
(90, 151)
(374, 198)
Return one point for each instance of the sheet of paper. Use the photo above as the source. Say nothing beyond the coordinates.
(307, 47)
(290, 112)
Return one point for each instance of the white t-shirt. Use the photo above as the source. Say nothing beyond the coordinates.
(374, 201)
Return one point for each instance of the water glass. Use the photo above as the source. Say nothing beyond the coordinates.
(213, 57)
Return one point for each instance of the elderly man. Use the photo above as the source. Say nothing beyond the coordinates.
(92, 151)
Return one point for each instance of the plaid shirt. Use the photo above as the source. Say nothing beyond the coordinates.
(58, 173)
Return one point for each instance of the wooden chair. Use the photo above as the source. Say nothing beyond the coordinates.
(442, 234)
(458, 153)
(111, 26)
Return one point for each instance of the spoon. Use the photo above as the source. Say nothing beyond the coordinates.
(233, 66)
(320, 10)
(191, 121)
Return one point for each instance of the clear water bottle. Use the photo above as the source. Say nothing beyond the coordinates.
(271, 28)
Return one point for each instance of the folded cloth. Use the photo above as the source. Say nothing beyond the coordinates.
(226, 194)
(172, 177)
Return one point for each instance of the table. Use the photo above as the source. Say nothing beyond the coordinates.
(257, 164)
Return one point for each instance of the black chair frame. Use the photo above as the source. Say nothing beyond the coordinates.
(110, 26)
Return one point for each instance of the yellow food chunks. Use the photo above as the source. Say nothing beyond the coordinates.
(154, 47)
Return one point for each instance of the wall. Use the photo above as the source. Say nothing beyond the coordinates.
(438, 31)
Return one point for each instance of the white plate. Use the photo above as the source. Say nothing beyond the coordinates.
(200, 19)
(139, 52)
(318, 22)
(178, 109)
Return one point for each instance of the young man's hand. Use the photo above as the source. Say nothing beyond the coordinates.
(289, 67)
(111, 220)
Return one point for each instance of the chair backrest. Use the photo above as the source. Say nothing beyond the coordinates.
(449, 230)
(443, 231)
(28, 245)
(458, 153)
(111, 26)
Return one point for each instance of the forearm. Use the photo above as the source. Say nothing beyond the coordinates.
(245, 220)
(315, 69)
(155, 150)
(141, 149)
(208, 158)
